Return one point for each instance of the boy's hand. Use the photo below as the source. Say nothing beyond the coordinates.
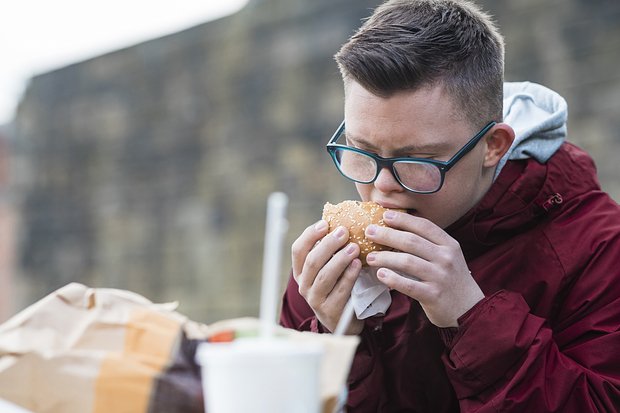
(325, 268)
(428, 266)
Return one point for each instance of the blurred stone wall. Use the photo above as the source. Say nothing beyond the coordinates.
(8, 224)
(572, 47)
(149, 168)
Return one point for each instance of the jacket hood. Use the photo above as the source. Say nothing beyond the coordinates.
(538, 116)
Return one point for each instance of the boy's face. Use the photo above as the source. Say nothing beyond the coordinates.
(425, 124)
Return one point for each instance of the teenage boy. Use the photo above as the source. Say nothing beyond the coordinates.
(504, 283)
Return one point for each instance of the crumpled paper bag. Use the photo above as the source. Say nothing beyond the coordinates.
(83, 349)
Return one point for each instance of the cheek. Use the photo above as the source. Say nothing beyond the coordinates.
(456, 198)
(440, 209)
(465, 178)
(449, 204)
(364, 191)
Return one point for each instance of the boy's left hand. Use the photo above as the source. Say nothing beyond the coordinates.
(428, 266)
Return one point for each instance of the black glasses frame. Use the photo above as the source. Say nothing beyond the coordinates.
(444, 166)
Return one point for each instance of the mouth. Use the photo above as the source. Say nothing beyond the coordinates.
(409, 211)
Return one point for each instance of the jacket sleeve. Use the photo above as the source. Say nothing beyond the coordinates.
(365, 379)
(504, 358)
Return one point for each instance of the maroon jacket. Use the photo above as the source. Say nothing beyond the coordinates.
(544, 246)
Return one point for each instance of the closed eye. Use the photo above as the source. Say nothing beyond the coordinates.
(434, 151)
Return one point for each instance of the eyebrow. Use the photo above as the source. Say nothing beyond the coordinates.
(433, 148)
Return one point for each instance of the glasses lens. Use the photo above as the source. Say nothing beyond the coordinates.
(418, 176)
(355, 165)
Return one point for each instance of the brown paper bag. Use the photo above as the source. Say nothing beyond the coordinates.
(99, 350)
(83, 350)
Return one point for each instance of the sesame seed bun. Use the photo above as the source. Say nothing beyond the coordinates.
(356, 216)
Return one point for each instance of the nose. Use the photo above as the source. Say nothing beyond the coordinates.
(387, 182)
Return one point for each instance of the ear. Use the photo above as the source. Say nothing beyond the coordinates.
(498, 143)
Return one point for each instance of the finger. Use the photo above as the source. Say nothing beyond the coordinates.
(417, 225)
(344, 286)
(342, 290)
(418, 290)
(319, 256)
(405, 264)
(402, 241)
(304, 244)
(334, 270)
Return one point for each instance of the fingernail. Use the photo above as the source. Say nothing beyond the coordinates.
(371, 257)
(339, 233)
(371, 230)
(389, 215)
(382, 273)
(321, 225)
(350, 249)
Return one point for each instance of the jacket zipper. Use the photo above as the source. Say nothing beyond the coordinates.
(555, 199)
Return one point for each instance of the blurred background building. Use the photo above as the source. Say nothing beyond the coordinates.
(148, 168)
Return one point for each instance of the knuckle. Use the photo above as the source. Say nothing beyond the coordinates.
(312, 263)
(320, 278)
(425, 225)
(341, 290)
(296, 247)
(314, 302)
(302, 290)
(412, 242)
(311, 301)
(349, 275)
(454, 244)
(444, 256)
(410, 261)
(434, 294)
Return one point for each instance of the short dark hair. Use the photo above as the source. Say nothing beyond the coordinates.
(411, 44)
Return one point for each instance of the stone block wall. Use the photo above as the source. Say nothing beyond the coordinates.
(148, 168)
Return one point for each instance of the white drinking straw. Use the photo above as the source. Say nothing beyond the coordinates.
(275, 229)
(345, 318)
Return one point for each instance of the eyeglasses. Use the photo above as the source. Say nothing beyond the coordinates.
(419, 175)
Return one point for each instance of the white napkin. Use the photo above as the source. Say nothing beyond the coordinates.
(370, 296)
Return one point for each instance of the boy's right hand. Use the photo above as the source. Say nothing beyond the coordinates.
(325, 268)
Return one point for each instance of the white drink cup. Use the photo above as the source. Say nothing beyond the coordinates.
(261, 375)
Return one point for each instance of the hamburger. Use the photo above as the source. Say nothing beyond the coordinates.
(356, 216)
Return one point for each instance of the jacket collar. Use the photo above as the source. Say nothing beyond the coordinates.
(524, 192)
